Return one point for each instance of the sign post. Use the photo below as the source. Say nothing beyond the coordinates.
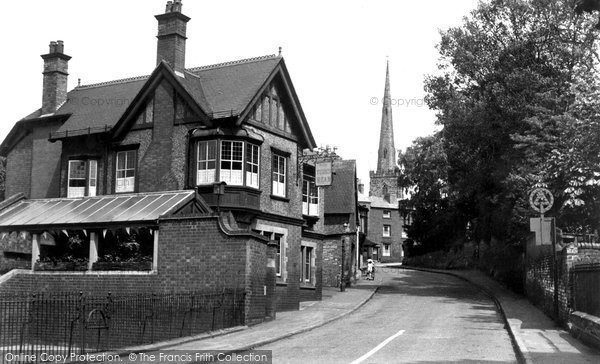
(541, 200)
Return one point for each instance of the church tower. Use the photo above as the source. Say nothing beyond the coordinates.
(384, 181)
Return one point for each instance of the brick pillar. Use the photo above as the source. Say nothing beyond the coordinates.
(568, 256)
(93, 254)
(271, 282)
(35, 250)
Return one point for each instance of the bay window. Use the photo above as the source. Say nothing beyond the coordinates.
(236, 163)
(125, 171)
(207, 162)
(252, 165)
(82, 178)
(232, 162)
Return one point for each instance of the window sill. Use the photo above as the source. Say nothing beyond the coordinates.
(281, 284)
(307, 286)
(279, 198)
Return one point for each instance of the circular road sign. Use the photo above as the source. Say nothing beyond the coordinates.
(541, 200)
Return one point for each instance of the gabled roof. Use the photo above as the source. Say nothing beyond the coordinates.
(341, 196)
(98, 107)
(96, 211)
(382, 203)
(221, 90)
(229, 87)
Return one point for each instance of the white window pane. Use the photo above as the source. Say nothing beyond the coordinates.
(74, 192)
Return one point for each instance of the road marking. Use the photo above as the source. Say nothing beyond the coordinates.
(377, 348)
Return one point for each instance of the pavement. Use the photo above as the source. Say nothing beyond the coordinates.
(536, 338)
(312, 314)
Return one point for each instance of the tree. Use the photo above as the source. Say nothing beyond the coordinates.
(513, 97)
(425, 173)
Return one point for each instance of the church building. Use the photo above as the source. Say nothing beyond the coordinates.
(382, 221)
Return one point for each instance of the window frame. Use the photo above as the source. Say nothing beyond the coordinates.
(387, 214)
(275, 189)
(389, 231)
(117, 170)
(307, 264)
(387, 250)
(232, 161)
(248, 179)
(310, 200)
(87, 187)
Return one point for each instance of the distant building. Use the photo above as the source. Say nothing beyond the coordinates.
(381, 220)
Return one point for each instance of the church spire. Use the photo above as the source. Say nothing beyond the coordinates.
(386, 160)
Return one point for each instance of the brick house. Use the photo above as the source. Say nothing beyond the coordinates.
(229, 137)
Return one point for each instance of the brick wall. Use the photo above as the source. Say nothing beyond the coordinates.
(45, 164)
(155, 167)
(539, 281)
(18, 168)
(539, 278)
(375, 233)
(194, 255)
(288, 285)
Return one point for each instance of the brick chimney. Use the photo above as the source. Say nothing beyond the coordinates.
(56, 66)
(171, 36)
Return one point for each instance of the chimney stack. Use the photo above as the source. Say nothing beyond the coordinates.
(56, 67)
(172, 27)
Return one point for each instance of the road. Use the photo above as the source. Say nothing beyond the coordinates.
(416, 317)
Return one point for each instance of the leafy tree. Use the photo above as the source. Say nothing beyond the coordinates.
(425, 173)
(515, 97)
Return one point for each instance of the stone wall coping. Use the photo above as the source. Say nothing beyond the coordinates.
(15, 272)
(586, 317)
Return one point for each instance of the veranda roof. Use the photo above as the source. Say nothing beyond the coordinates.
(130, 209)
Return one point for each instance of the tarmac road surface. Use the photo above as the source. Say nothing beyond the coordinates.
(416, 317)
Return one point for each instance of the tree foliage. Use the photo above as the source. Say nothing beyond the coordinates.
(517, 96)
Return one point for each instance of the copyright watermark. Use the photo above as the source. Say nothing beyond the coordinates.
(402, 102)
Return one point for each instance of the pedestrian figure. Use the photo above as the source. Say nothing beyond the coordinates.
(370, 270)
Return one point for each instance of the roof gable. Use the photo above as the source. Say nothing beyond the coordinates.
(280, 80)
(162, 73)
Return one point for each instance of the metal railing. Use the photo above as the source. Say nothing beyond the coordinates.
(584, 289)
(66, 324)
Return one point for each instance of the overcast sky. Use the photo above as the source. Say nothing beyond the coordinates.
(335, 51)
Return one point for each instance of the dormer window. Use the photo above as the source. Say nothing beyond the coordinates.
(82, 178)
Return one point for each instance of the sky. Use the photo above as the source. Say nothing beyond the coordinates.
(335, 52)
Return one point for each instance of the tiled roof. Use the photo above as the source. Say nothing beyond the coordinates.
(229, 87)
(340, 197)
(99, 106)
(131, 208)
(382, 203)
(221, 90)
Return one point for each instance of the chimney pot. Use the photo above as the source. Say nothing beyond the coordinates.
(60, 47)
(56, 66)
(172, 28)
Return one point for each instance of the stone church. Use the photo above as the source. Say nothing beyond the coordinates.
(381, 219)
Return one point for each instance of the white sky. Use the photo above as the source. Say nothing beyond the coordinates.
(335, 51)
